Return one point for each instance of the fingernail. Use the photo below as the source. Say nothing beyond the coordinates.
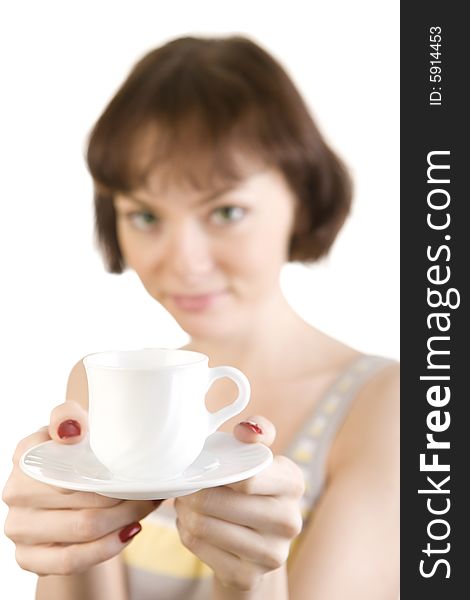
(129, 532)
(252, 426)
(68, 429)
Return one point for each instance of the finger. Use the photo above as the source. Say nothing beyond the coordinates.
(75, 558)
(231, 571)
(263, 513)
(282, 478)
(25, 444)
(225, 564)
(248, 544)
(29, 526)
(68, 423)
(43, 496)
(18, 483)
(255, 429)
(24, 491)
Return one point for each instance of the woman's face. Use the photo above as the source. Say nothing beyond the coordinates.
(211, 259)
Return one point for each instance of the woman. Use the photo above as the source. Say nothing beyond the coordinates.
(209, 175)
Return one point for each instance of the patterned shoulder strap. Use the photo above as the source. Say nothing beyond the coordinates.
(310, 446)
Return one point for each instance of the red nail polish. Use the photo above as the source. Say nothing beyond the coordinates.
(68, 429)
(129, 532)
(252, 426)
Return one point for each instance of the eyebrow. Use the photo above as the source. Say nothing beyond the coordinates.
(205, 200)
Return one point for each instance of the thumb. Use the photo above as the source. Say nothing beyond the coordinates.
(68, 423)
(255, 429)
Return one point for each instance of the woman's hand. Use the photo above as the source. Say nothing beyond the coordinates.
(61, 532)
(244, 530)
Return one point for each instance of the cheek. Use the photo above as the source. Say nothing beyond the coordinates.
(259, 254)
(135, 250)
(273, 240)
(122, 239)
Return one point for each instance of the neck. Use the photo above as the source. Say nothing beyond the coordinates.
(270, 339)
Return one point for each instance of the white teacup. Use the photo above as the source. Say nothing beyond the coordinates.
(147, 413)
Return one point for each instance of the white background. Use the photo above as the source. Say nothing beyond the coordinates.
(60, 64)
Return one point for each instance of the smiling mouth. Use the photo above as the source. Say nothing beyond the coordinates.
(197, 302)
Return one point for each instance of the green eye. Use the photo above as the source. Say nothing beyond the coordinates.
(142, 219)
(228, 214)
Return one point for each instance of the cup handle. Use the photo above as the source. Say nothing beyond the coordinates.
(217, 418)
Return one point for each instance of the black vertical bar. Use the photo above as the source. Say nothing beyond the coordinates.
(435, 258)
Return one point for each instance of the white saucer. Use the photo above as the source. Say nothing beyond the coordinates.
(74, 467)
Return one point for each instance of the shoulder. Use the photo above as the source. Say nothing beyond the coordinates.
(77, 385)
(357, 514)
(370, 434)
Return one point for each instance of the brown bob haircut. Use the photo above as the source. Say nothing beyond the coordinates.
(187, 108)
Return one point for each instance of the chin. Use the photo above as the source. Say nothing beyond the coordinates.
(210, 325)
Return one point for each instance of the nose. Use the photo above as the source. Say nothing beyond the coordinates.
(189, 251)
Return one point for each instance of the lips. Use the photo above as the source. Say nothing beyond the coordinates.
(197, 302)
